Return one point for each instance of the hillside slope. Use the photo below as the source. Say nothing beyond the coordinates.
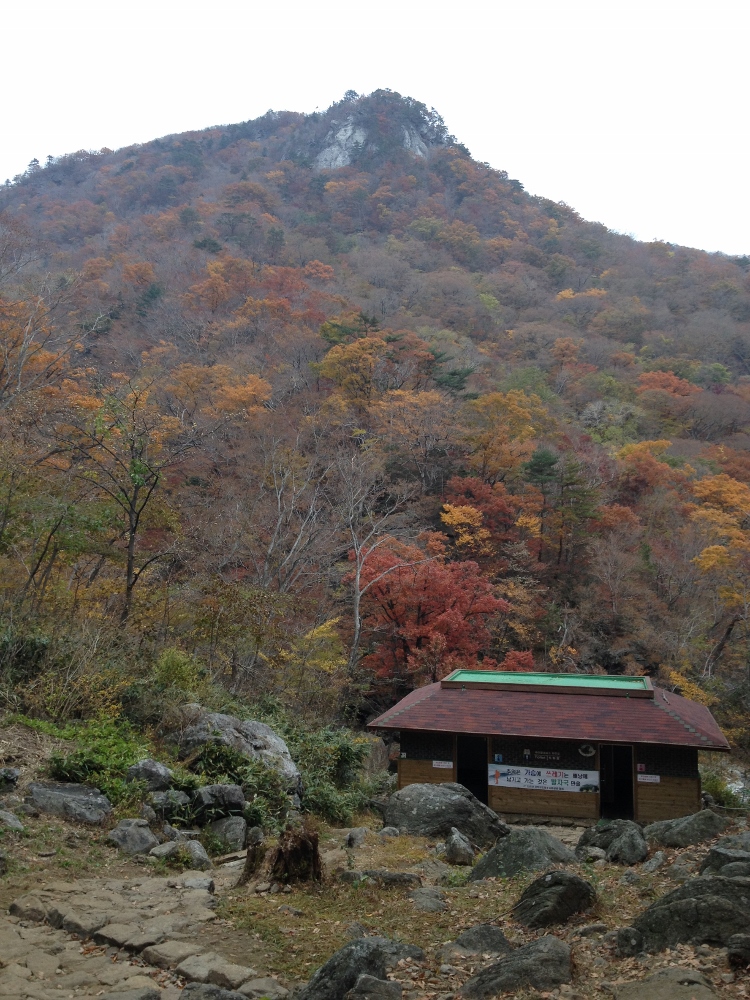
(330, 376)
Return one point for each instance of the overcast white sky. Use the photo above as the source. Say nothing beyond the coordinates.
(633, 112)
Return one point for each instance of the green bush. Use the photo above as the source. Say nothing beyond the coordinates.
(714, 783)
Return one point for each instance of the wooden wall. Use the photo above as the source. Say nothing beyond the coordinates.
(572, 805)
(671, 798)
(412, 772)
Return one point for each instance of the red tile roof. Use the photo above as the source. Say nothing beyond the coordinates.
(665, 718)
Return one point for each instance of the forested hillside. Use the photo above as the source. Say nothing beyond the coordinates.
(321, 408)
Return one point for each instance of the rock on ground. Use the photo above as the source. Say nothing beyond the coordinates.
(430, 899)
(739, 950)
(553, 898)
(133, 836)
(370, 988)
(79, 803)
(197, 854)
(542, 965)
(687, 830)
(718, 857)
(11, 821)
(209, 991)
(157, 777)
(371, 956)
(255, 740)
(668, 984)
(458, 849)
(620, 839)
(483, 939)
(356, 837)
(214, 801)
(434, 810)
(231, 830)
(701, 911)
(264, 986)
(524, 849)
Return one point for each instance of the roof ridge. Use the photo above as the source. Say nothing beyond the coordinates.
(666, 706)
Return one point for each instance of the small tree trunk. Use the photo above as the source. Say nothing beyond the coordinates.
(256, 852)
(297, 857)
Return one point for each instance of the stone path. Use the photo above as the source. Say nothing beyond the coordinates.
(134, 939)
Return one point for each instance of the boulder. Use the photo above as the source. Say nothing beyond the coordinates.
(370, 988)
(389, 831)
(701, 911)
(264, 986)
(79, 803)
(196, 852)
(254, 740)
(214, 801)
(371, 956)
(170, 804)
(483, 939)
(718, 857)
(655, 862)
(434, 810)
(133, 836)
(668, 984)
(541, 965)
(139, 993)
(157, 777)
(9, 778)
(390, 880)
(687, 830)
(739, 950)
(429, 899)
(620, 839)
(356, 837)
(10, 821)
(737, 869)
(458, 849)
(736, 841)
(207, 991)
(553, 898)
(231, 831)
(167, 850)
(524, 849)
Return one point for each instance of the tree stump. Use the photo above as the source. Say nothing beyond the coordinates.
(256, 852)
(297, 857)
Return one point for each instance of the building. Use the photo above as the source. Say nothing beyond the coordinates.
(557, 745)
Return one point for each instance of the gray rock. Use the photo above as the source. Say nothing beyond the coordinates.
(739, 950)
(9, 778)
(196, 852)
(736, 841)
(204, 882)
(458, 849)
(678, 872)
(170, 804)
(141, 993)
(552, 899)
(655, 862)
(356, 837)
(231, 830)
(590, 929)
(687, 830)
(213, 801)
(157, 777)
(207, 991)
(429, 900)
(592, 854)
(78, 803)
(255, 740)
(702, 911)
(620, 839)
(389, 880)
(524, 849)
(434, 810)
(668, 984)
(264, 986)
(133, 836)
(718, 857)
(370, 956)
(737, 869)
(542, 965)
(390, 831)
(631, 877)
(10, 821)
(370, 988)
(483, 939)
(166, 850)
(148, 813)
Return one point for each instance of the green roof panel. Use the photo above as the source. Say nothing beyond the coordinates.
(499, 678)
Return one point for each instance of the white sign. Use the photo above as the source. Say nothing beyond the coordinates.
(443, 763)
(651, 779)
(546, 779)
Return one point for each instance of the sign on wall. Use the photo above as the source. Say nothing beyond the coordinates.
(544, 779)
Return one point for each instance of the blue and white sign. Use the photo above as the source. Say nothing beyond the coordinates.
(545, 779)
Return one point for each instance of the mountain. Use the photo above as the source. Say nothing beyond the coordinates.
(327, 372)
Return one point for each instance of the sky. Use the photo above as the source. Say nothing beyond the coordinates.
(634, 113)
